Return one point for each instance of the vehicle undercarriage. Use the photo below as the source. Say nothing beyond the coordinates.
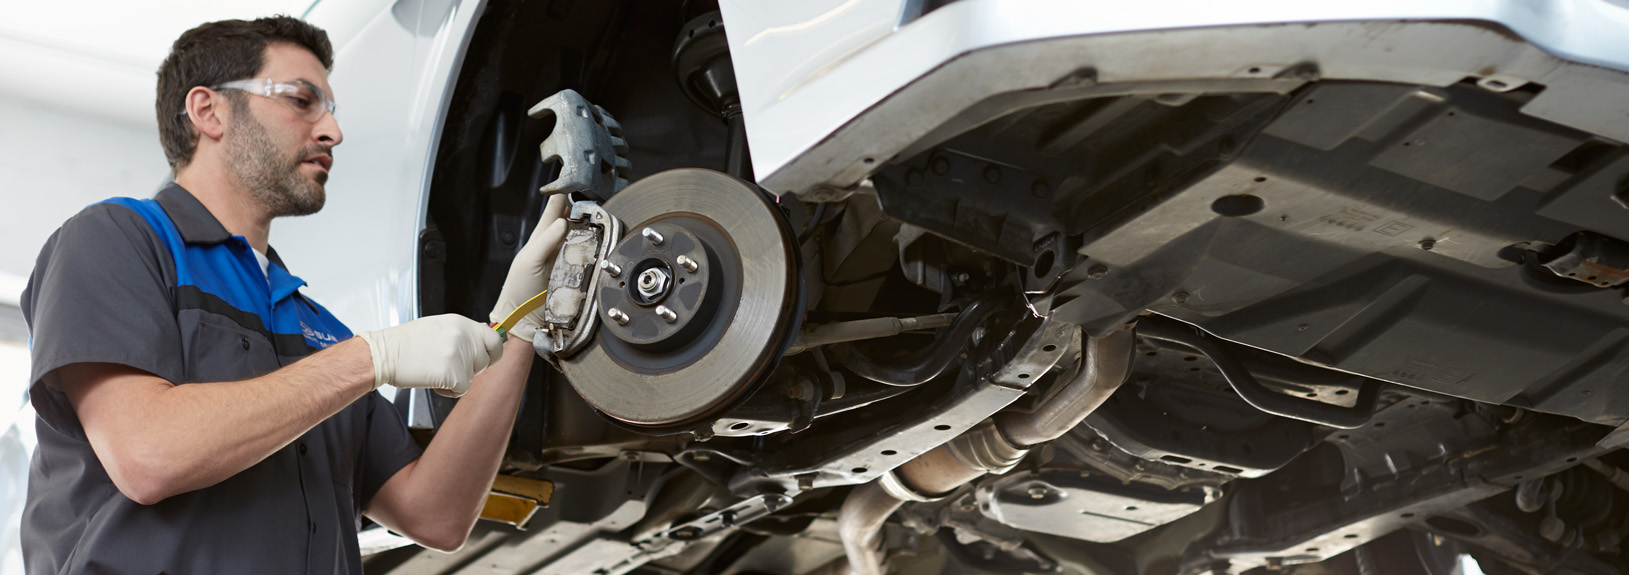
(1290, 316)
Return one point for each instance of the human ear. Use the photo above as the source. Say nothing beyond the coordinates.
(208, 111)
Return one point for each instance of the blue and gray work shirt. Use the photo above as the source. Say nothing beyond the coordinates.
(159, 285)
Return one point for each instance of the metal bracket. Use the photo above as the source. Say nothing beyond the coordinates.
(1590, 258)
(587, 142)
(748, 510)
(571, 311)
(855, 459)
(673, 540)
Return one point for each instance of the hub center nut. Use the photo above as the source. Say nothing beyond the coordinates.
(653, 283)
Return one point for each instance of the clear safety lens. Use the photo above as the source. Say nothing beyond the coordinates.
(303, 97)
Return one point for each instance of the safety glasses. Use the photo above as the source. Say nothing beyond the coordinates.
(307, 100)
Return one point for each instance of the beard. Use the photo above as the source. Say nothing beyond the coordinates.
(274, 179)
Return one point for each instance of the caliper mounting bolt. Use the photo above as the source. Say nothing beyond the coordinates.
(666, 314)
(616, 315)
(610, 268)
(685, 262)
(654, 236)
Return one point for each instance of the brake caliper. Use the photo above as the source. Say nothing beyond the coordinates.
(588, 144)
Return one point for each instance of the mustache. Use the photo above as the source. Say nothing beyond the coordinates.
(309, 151)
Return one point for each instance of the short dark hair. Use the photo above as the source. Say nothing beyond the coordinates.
(221, 52)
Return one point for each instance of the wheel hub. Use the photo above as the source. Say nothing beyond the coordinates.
(671, 296)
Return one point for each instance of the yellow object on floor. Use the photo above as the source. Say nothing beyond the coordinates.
(514, 500)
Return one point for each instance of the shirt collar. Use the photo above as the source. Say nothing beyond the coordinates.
(191, 218)
(198, 226)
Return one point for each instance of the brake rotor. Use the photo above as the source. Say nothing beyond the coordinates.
(697, 306)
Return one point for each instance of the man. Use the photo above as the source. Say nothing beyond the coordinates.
(177, 431)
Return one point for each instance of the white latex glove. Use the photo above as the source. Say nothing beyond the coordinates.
(442, 353)
(529, 273)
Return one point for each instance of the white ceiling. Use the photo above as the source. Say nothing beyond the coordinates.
(99, 56)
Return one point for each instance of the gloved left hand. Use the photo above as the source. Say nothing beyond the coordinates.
(529, 273)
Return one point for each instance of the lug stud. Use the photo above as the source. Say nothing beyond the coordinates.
(610, 268)
(666, 314)
(685, 262)
(616, 315)
(652, 235)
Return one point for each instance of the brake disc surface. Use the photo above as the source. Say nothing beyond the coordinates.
(697, 305)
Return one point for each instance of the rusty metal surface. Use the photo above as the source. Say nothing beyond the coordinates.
(1591, 258)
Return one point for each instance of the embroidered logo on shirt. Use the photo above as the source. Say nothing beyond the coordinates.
(316, 338)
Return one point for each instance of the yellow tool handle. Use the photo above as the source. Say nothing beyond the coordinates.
(530, 306)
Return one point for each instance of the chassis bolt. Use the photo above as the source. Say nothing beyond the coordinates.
(1179, 298)
(616, 315)
(685, 262)
(652, 235)
(1097, 272)
(610, 268)
(666, 314)
(1039, 492)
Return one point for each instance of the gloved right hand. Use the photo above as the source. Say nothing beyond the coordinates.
(441, 352)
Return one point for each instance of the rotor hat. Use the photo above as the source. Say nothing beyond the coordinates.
(669, 292)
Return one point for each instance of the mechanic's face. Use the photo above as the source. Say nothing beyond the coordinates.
(280, 157)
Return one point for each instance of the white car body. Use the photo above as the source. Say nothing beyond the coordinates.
(808, 69)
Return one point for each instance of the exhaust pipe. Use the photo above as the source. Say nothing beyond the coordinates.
(995, 446)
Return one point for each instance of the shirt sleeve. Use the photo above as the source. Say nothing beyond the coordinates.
(99, 294)
(389, 447)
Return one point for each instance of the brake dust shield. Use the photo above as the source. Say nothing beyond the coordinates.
(697, 303)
